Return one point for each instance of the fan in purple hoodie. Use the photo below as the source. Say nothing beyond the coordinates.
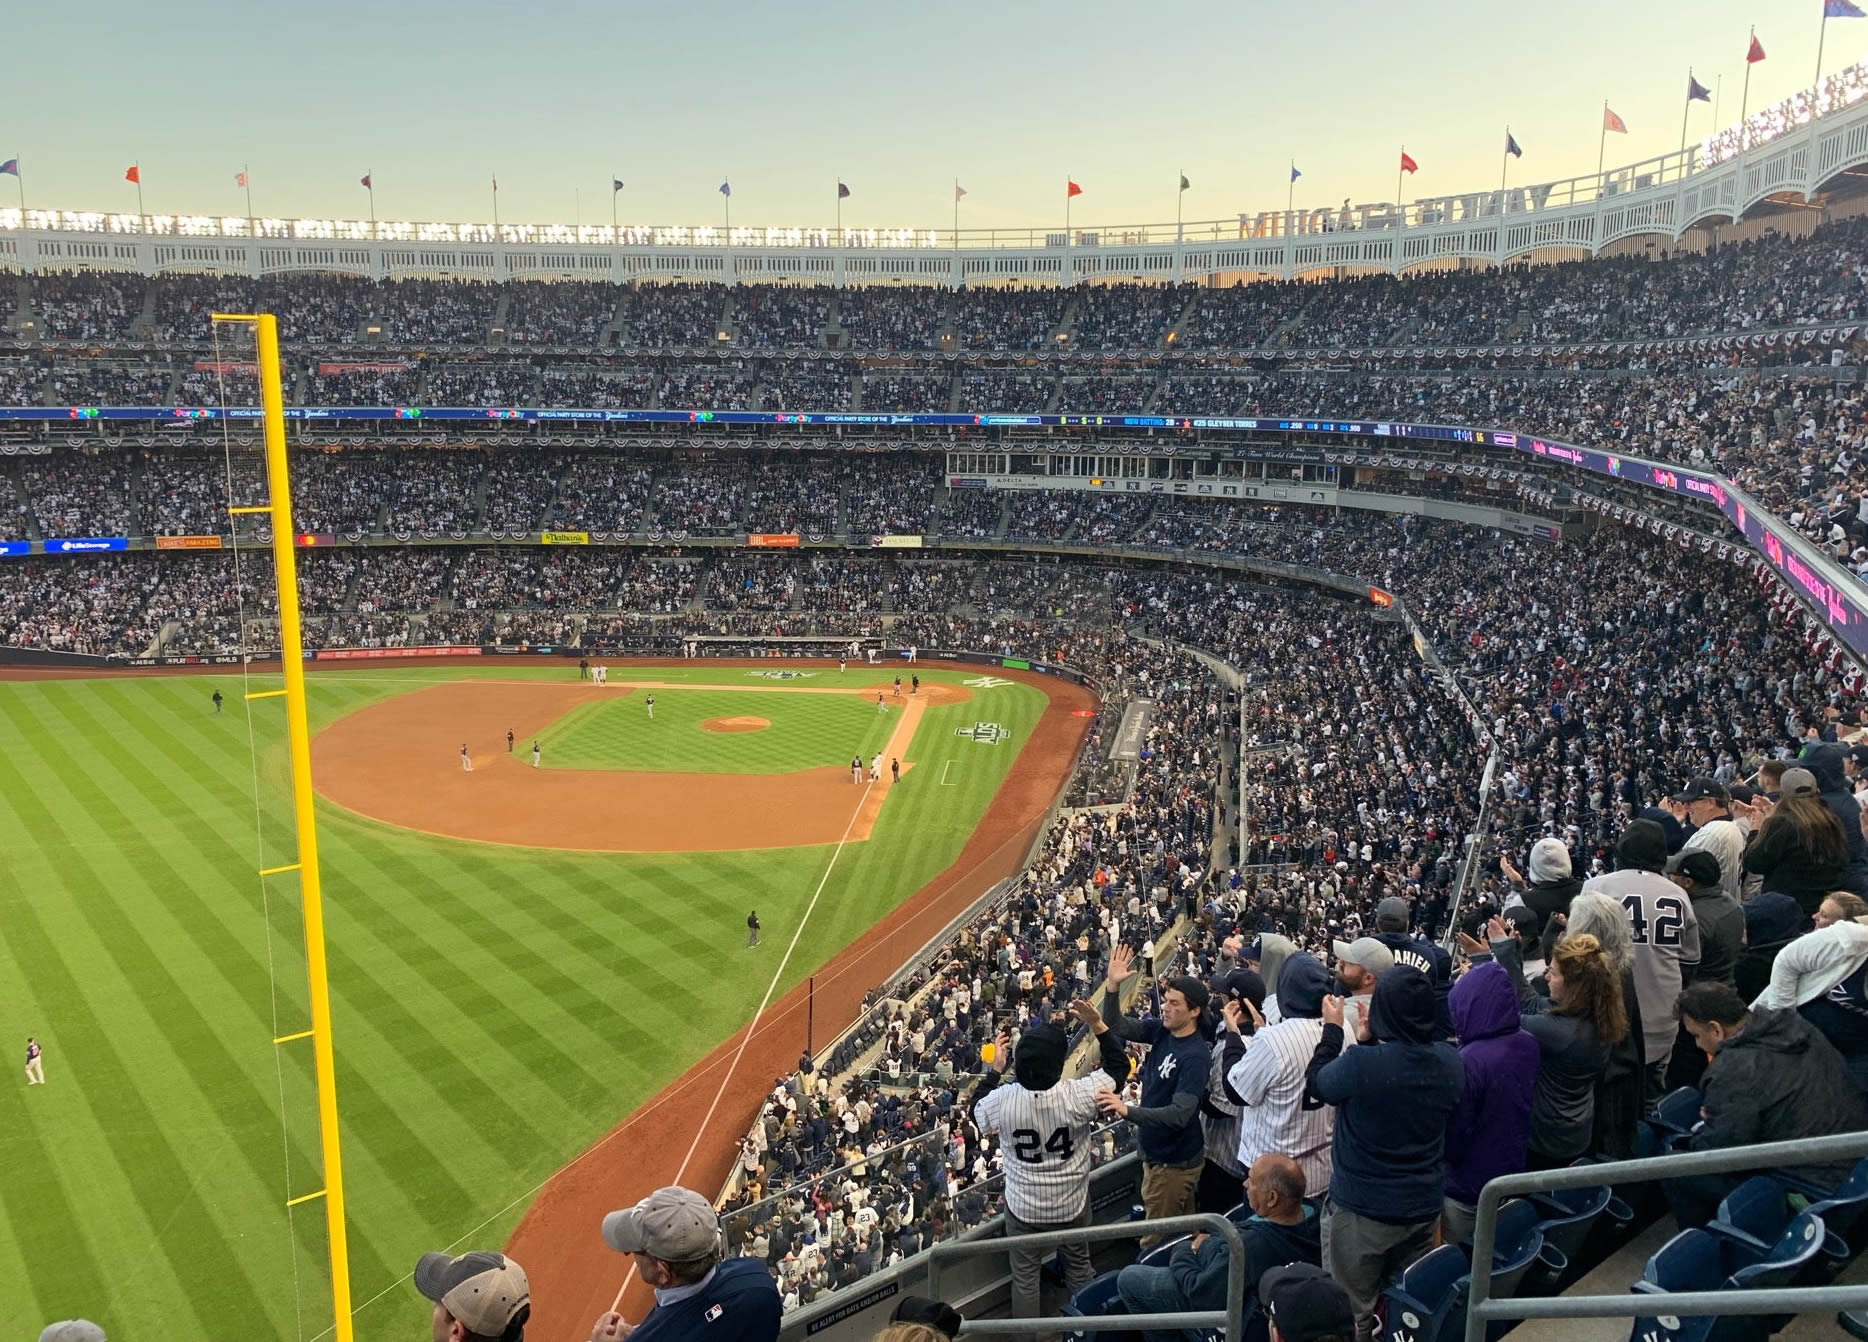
(1489, 1133)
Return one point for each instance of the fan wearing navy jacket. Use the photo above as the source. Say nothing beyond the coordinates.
(675, 1239)
(1393, 1101)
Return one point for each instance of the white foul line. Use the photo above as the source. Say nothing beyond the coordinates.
(943, 774)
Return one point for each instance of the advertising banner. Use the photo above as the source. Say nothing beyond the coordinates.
(1380, 597)
(564, 538)
(377, 654)
(898, 542)
(9, 548)
(85, 544)
(188, 542)
(769, 541)
(306, 540)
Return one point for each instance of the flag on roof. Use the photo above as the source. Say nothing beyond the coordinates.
(1295, 174)
(1184, 183)
(1696, 92)
(10, 167)
(240, 179)
(1612, 122)
(1511, 145)
(496, 181)
(843, 192)
(726, 189)
(366, 182)
(1407, 163)
(1071, 189)
(958, 192)
(616, 184)
(135, 174)
(1755, 52)
(1841, 9)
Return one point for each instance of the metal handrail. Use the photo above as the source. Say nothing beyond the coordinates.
(1481, 1309)
(1232, 1318)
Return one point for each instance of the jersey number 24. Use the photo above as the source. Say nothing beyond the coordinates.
(1029, 1145)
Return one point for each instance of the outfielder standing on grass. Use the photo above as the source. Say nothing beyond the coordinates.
(35, 1069)
(651, 703)
(1167, 1121)
(1044, 1125)
(752, 929)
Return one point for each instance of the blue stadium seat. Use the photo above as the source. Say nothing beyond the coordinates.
(1428, 1304)
(1754, 1214)
(1842, 1210)
(1159, 1255)
(1096, 1298)
(1698, 1260)
(1690, 1261)
(1568, 1217)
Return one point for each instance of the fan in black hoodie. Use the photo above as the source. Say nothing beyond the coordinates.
(1392, 1103)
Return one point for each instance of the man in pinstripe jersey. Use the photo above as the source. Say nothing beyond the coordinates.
(1044, 1123)
(1265, 1077)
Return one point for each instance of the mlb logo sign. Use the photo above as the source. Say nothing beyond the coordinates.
(714, 1313)
(983, 733)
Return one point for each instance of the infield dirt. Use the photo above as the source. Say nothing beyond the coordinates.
(574, 1278)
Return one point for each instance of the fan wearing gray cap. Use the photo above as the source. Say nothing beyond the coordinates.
(1392, 917)
(72, 1330)
(1358, 964)
(478, 1297)
(675, 1239)
(1044, 1124)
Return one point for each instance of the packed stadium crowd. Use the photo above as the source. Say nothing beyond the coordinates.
(1569, 826)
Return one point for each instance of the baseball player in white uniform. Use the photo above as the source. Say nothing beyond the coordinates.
(466, 760)
(1044, 1125)
(875, 767)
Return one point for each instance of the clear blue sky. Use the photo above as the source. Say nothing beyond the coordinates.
(897, 100)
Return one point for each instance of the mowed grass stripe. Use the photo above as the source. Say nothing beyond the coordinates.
(806, 731)
(656, 941)
(179, 1223)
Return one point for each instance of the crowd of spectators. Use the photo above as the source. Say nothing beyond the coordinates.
(990, 320)
(901, 319)
(787, 384)
(792, 494)
(1008, 390)
(435, 312)
(678, 316)
(603, 495)
(884, 494)
(700, 496)
(907, 393)
(564, 313)
(724, 384)
(780, 316)
(487, 384)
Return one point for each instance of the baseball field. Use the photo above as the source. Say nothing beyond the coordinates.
(521, 955)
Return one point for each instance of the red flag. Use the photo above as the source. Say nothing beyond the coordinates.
(1756, 53)
(1612, 122)
(1408, 164)
(133, 175)
(366, 181)
(1071, 189)
(240, 179)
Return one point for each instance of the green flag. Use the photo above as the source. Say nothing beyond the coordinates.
(1184, 183)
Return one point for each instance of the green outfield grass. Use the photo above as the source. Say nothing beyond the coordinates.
(495, 1010)
(807, 731)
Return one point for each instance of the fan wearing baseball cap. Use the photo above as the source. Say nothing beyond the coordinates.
(674, 1236)
(478, 1297)
(1302, 1304)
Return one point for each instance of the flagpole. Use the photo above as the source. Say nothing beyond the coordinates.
(956, 214)
(496, 204)
(1821, 33)
(371, 188)
(1718, 93)
(1602, 140)
(1398, 171)
(1179, 191)
(19, 180)
(1504, 160)
(246, 175)
(141, 215)
(1067, 214)
(726, 201)
(1744, 102)
(1686, 111)
(614, 193)
(839, 238)
(1290, 196)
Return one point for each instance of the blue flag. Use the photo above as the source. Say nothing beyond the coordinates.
(10, 167)
(1696, 92)
(1841, 9)
(726, 188)
(1295, 174)
(1511, 146)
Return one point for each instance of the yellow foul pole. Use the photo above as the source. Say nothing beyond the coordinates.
(298, 734)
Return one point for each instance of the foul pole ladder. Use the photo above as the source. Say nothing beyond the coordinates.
(278, 508)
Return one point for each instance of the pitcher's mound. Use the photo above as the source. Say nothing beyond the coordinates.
(739, 724)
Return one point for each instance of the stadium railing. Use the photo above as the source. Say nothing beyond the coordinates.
(1483, 1310)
